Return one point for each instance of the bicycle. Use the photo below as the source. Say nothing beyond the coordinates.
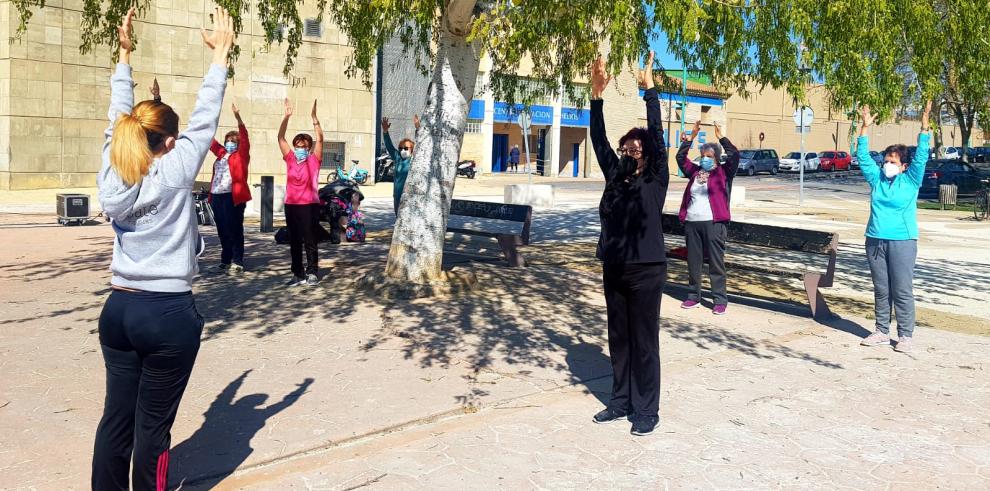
(981, 205)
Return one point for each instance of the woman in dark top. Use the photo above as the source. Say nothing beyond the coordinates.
(632, 252)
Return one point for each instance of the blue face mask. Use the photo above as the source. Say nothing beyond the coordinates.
(707, 163)
(230, 146)
(301, 153)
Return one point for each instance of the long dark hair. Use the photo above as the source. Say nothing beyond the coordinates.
(650, 151)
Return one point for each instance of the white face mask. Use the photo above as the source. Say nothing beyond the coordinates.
(891, 170)
(405, 154)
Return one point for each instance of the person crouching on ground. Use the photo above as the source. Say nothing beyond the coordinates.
(149, 328)
(705, 214)
(302, 201)
(401, 157)
(229, 194)
(632, 253)
(892, 232)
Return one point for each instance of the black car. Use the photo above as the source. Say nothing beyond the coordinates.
(945, 171)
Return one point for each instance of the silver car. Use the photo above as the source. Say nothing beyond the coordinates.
(762, 160)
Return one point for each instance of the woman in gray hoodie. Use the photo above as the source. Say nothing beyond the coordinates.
(150, 328)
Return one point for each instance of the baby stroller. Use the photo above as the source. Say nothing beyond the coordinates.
(340, 201)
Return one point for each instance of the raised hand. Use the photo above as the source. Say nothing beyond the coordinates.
(718, 131)
(313, 114)
(599, 78)
(222, 37)
(924, 115)
(645, 76)
(125, 35)
(156, 92)
(233, 107)
(288, 108)
(385, 125)
(866, 116)
(416, 121)
(695, 130)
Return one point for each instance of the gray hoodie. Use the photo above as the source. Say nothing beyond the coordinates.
(155, 221)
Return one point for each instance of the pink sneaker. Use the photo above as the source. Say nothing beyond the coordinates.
(690, 304)
(876, 339)
(904, 344)
(719, 309)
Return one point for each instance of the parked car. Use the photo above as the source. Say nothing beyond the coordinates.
(954, 171)
(792, 162)
(951, 153)
(832, 160)
(875, 158)
(762, 160)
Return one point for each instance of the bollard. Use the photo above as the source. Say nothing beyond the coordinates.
(267, 204)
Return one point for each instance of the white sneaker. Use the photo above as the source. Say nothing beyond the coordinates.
(235, 269)
(312, 280)
(876, 339)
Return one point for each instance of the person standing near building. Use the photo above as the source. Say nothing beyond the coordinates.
(302, 201)
(705, 214)
(229, 194)
(402, 157)
(892, 231)
(632, 252)
(514, 158)
(149, 328)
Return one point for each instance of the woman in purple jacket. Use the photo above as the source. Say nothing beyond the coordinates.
(705, 214)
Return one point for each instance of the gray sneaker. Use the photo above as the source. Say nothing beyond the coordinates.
(312, 280)
(876, 339)
(904, 345)
(235, 269)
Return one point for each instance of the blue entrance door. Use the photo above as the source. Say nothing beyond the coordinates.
(577, 158)
(500, 152)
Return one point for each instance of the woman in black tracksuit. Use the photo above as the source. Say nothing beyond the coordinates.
(632, 252)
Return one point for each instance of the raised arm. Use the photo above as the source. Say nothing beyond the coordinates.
(731, 153)
(121, 82)
(607, 159)
(318, 133)
(283, 146)
(683, 162)
(654, 120)
(870, 172)
(387, 140)
(916, 171)
(243, 143)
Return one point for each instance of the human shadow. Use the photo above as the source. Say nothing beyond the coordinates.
(223, 443)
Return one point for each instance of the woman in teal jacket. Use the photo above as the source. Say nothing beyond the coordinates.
(401, 157)
(892, 232)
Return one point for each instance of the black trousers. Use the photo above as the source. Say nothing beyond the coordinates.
(149, 342)
(230, 227)
(701, 237)
(302, 221)
(632, 299)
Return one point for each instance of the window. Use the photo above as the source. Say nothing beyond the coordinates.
(580, 98)
(333, 153)
(793, 155)
(828, 155)
(811, 155)
(312, 28)
(771, 154)
(473, 127)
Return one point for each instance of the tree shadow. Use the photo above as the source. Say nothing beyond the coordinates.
(223, 443)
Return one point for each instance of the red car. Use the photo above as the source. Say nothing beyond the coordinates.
(831, 160)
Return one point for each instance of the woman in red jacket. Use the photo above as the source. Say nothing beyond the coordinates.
(229, 194)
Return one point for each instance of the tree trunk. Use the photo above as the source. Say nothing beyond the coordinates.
(416, 253)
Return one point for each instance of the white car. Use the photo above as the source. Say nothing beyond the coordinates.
(792, 162)
(951, 153)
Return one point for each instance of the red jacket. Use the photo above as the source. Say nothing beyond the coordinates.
(238, 165)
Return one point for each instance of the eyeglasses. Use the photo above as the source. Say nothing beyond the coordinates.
(405, 148)
(630, 151)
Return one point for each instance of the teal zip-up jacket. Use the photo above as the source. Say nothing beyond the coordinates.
(401, 169)
(893, 202)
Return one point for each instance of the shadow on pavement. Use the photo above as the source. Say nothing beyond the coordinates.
(223, 443)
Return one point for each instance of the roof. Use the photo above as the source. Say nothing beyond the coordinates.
(669, 83)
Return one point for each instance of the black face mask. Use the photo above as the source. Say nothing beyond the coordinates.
(627, 167)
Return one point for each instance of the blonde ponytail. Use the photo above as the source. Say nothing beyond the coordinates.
(138, 136)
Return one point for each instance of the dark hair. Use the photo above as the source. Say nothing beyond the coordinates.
(900, 150)
(231, 134)
(303, 137)
(650, 151)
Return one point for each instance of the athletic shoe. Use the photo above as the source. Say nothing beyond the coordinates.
(690, 304)
(644, 425)
(876, 339)
(312, 280)
(235, 269)
(296, 281)
(719, 309)
(904, 344)
(608, 415)
(220, 268)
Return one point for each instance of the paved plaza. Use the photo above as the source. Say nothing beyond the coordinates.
(332, 388)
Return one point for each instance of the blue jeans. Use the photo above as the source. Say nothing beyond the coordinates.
(892, 268)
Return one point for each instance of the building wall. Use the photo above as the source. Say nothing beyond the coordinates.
(53, 100)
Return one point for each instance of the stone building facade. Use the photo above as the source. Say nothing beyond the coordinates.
(53, 100)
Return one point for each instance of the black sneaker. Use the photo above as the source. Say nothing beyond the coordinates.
(296, 281)
(608, 415)
(644, 425)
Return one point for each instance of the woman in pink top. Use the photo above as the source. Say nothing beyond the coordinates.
(302, 203)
